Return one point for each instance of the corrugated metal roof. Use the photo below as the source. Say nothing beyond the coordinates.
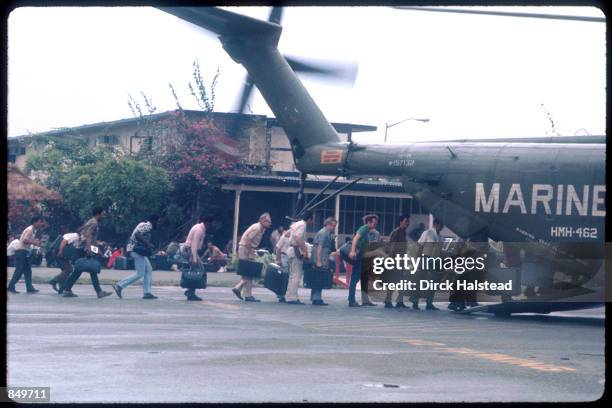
(380, 185)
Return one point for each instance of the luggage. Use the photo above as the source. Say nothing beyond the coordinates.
(249, 269)
(87, 265)
(193, 277)
(276, 280)
(122, 263)
(317, 278)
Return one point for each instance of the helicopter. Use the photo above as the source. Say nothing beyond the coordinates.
(542, 197)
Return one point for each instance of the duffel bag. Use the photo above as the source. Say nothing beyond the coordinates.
(193, 277)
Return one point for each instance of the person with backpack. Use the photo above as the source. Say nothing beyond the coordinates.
(64, 250)
(88, 260)
(139, 247)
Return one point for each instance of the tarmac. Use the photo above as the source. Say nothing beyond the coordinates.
(225, 350)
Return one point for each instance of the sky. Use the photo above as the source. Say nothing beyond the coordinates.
(472, 76)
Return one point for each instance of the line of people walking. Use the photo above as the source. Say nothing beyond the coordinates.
(75, 254)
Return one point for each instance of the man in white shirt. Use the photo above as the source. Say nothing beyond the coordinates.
(430, 244)
(249, 242)
(297, 252)
(10, 250)
(12, 247)
(282, 259)
(22, 258)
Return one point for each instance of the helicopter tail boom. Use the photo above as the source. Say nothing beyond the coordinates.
(253, 43)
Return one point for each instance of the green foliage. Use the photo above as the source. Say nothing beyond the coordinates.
(129, 189)
(87, 177)
(61, 154)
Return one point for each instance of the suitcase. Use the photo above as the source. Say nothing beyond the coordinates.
(193, 278)
(317, 278)
(276, 280)
(122, 263)
(91, 265)
(249, 269)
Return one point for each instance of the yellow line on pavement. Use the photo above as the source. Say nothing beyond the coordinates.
(496, 357)
(221, 305)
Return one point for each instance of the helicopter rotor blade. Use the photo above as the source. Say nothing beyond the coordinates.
(276, 15)
(507, 14)
(346, 72)
(247, 89)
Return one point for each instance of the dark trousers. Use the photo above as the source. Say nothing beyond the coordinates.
(365, 274)
(355, 276)
(22, 267)
(461, 297)
(62, 278)
(74, 276)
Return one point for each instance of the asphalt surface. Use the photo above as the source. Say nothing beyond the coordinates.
(224, 350)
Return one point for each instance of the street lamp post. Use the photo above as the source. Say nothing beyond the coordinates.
(387, 126)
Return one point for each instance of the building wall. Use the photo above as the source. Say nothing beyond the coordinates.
(268, 148)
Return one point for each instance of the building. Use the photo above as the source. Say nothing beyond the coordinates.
(263, 144)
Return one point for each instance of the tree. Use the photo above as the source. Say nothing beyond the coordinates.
(197, 156)
(86, 177)
(60, 154)
(130, 190)
(196, 152)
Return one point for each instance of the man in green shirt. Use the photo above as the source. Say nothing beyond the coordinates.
(359, 244)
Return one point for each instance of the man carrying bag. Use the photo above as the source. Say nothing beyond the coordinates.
(319, 277)
(193, 276)
(88, 255)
